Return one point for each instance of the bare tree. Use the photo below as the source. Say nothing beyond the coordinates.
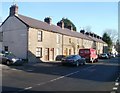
(113, 34)
(88, 28)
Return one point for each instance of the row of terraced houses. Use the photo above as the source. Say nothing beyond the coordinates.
(36, 40)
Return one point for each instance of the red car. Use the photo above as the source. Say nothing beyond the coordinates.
(89, 54)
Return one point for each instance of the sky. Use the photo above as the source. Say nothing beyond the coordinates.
(94, 16)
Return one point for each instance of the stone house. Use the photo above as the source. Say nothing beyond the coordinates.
(36, 40)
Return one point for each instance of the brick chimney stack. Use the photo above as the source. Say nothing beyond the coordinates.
(61, 24)
(48, 20)
(13, 10)
(82, 31)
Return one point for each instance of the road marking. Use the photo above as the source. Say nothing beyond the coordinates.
(52, 80)
(15, 69)
(27, 88)
(41, 83)
(112, 92)
(116, 84)
(57, 78)
(115, 88)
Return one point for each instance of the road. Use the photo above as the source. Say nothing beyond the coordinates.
(98, 77)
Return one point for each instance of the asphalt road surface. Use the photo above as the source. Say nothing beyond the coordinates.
(100, 77)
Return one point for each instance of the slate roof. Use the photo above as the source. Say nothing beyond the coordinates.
(96, 39)
(31, 22)
(52, 28)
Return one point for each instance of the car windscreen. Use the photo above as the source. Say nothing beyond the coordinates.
(86, 51)
(70, 57)
(10, 55)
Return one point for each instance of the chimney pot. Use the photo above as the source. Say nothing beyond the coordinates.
(48, 20)
(87, 33)
(82, 31)
(13, 10)
(61, 24)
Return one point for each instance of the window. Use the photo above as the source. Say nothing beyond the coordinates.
(69, 51)
(6, 48)
(81, 51)
(58, 51)
(1, 36)
(38, 52)
(69, 40)
(58, 39)
(77, 41)
(87, 51)
(39, 36)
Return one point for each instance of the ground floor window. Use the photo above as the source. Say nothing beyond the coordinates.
(38, 52)
(58, 51)
(6, 48)
(69, 51)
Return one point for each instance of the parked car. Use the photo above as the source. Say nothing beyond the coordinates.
(113, 55)
(89, 54)
(118, 55)
(9, 58)
(59, 57)
(104, 56)
(73, 60)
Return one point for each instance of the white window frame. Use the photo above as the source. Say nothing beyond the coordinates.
(39, 36)
(39, 52)
(58, 39)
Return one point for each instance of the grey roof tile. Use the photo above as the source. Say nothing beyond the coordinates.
(56, 29)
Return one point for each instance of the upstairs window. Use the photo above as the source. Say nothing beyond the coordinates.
(39, 36)
(58, 39)
(6, 48)
(70, 40)
(1, 36)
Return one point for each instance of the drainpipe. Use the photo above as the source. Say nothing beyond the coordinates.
(27, 43)
(62, 44)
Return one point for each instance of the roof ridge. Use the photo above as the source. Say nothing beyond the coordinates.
(32, 22)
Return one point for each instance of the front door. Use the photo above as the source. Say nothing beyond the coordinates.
(47, 54)
(52, 53)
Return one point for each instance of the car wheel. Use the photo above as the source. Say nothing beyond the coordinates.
(77, 63)
(8, 62)
(96, 60)
(84, 63)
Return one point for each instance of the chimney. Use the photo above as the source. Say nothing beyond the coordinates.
(91, 34)
(13, 10)
(70, 27)
(82, 31)
(87, 33)
(101, 38)
(48, 20)
(61, 24)
(95, 35)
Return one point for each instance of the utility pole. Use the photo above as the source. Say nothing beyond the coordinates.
(0, 20)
